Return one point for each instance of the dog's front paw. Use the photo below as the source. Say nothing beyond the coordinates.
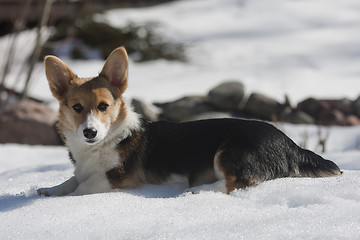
(51, 191)
(43, 191)
(60, 190)
(193, 190)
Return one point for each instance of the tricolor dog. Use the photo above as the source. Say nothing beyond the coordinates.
(112, 147)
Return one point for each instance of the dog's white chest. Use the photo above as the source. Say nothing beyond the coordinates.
(95, 160)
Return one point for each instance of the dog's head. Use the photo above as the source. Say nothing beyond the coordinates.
(89, 106)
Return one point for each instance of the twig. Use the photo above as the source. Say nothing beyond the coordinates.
(18, 26)
(44, 19)
(305, 139)
(323, 139)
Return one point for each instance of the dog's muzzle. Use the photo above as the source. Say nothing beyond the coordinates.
(90, 133)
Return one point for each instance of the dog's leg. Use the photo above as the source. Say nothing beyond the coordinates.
(63, 189)
(218, 186)
(94, 184)
(237, 170)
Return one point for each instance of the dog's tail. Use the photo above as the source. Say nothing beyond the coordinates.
(312, 165)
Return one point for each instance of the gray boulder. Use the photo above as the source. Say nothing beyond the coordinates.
(212, 115)
(296, 116)
(356, 107)
(263, 107)
(344, 105)
(143, 109)
(331, 117)
(313, 107)
(185, 108)
(227, 96)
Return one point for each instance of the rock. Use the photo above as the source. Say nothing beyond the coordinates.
(352, 120)
(328, 112)
(227, 96)
(312, 106)
(356, 107)
(331, 117)
(212, 115)
(343, 105)
(29, 122)
(262, 107)
(144, 110)
(185, 108)
(297, 117)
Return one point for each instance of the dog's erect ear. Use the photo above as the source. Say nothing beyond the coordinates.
(58, 75)
(116, 69)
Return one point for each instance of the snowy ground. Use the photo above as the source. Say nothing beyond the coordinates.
(327, 208)
(302, 48)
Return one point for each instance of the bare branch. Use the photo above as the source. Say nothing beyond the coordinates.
(37, 49)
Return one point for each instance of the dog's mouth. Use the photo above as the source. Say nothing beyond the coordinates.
(90, 141)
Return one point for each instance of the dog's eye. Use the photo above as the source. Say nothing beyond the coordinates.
(102, 107)
(78, 108)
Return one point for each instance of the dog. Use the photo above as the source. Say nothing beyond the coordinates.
(112, 147)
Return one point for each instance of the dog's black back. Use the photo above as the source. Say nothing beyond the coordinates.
(250, 152)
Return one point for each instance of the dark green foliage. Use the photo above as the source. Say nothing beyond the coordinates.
(142, 42)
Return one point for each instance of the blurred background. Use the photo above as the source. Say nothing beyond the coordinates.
(295, 61)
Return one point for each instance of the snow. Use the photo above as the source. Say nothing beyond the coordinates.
(301, 48)
(325, 208)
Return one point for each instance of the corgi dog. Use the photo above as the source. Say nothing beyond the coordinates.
(112, 147)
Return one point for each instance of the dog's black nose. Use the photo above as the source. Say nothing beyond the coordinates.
(89, 133)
